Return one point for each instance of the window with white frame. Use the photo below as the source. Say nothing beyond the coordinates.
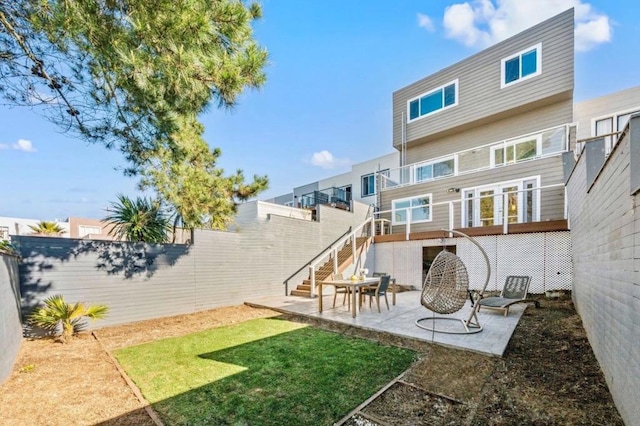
(514, 151)
(368, 184)
(612, 124)
(434, 169)
(521, 66)
(439, 99)
(4, 233)
(417, 208)
(514, 201)
(84, 230)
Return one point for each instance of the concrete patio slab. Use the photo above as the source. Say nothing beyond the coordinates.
(400, 320)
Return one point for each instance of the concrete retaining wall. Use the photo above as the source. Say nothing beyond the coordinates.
(605, 228)
(143, 281)
(10, 326)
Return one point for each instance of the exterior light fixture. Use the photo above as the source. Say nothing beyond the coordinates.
(453, 190)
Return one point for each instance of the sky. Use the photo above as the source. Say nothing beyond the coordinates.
(333, 66)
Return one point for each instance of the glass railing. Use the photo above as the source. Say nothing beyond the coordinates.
(497, 154)
(333, 196)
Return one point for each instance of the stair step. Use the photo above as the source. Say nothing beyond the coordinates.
(300, 293)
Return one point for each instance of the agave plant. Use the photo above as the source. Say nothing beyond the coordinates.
(46, 228)
(139, 220)
(56, 312)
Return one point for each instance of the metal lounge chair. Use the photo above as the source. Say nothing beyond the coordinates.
(514, 291)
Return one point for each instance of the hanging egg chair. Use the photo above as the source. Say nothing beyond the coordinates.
(446, 290)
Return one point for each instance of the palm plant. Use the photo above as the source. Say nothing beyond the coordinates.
(46, 228)
(56, 312)
(139, 220)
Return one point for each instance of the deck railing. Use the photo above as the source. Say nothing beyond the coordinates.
(503, 208)
(531, 146)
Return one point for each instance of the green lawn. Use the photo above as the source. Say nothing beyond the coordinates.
(261, 372)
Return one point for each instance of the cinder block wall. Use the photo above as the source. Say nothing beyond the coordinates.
(605, 227)
(10, 326)
(143, 281)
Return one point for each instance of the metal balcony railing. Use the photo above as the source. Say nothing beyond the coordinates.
(338, 197)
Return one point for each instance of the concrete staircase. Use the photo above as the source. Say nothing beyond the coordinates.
(345, 259)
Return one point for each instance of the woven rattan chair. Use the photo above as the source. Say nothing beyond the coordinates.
(446, 288)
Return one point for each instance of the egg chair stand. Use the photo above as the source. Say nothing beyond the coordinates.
(446, 290)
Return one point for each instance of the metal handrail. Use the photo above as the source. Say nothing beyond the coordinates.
(286, 281)
(333, 248)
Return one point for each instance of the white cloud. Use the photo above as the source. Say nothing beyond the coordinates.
(326, 160)
(480, 23)
(424, 21)
(24, 145)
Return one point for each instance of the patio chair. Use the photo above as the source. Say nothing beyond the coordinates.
(340, 290)
(392, 284)
(514, 291)
(377, 291)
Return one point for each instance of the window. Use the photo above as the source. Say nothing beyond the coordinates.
(515, 151)
(419, 208)
(439, 99)
(369, 183)
(485, 206)
(435, 169)
(521, 66)
(611, 124)
(4, 233)
(86, 230)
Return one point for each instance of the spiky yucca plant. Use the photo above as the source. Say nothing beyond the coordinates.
(56, 311)
(46, 228)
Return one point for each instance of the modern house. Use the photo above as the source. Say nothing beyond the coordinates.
(481, 140)
(359, 185)
(606, 116)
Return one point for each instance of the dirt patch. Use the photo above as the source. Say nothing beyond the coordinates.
(548, 375)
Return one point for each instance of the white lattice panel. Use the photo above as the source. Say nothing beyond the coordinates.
(558, 261)
(546, 257)
(475, 263)
(407, 263)
(521, 254)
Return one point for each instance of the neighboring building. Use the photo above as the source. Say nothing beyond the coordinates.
(89, 229)
(482, 140)
(357, 185)
(606, 115)
(21, 226)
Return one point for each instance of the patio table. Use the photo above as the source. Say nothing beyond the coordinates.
(351, 284)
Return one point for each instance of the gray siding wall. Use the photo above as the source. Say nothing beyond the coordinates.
(480, 96)
(532, 121)
(141, 281)
(551, 200)
(10, 326)
(605, 229)
(607, 105)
